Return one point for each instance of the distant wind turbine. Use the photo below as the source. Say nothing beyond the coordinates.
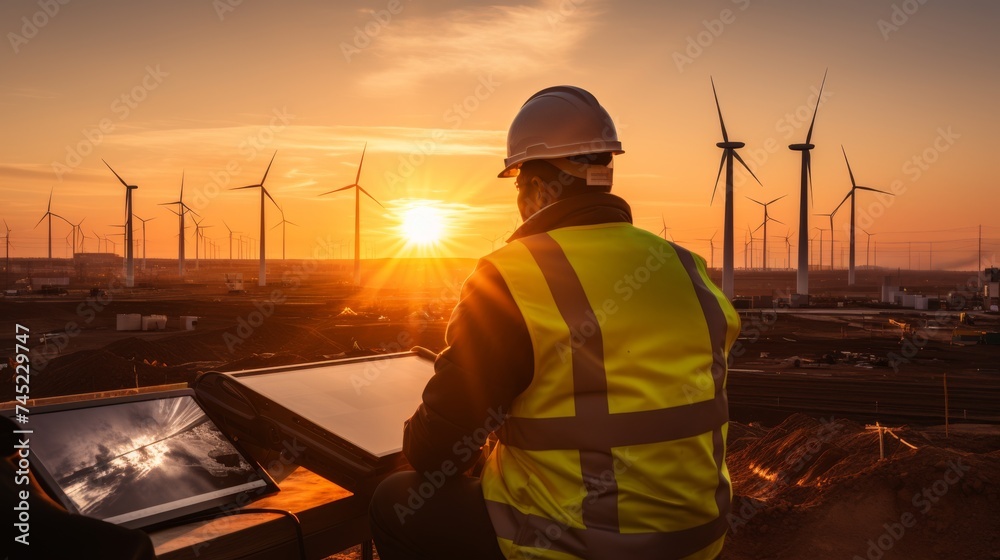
(144, 239)
(728, 154)
(262, 275)
(77, 233)
(868, 247)
(49, 214)
(282, 224)
(788, 247)
(665, 231)
(129, 239)
(357, 215)
(830, 215)
(7, 247)
(767, 218)
(231, 232)
(182, 209)
(805, 192)
(711, 248)
(851, 194)
(199, 234)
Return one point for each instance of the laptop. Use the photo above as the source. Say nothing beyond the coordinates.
(342, 419)
(140, 460)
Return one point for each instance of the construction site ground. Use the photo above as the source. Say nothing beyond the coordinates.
(806, 389)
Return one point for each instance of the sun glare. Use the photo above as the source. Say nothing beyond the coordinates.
(422, 224)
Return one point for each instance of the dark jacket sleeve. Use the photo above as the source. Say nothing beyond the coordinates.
(488, 361)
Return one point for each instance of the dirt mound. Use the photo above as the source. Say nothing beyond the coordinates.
(811, 488)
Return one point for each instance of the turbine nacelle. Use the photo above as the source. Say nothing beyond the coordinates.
(730, 145)
(801, 147)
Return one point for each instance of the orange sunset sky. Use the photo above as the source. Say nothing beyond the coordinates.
(213, 88)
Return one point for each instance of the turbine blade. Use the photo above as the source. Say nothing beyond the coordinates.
(809, 134)
(874, 190)
(49, 207)
(42, 219)
(116, 174)
(717, 177)
(725, 136)
(292, 223)
(263, 190)
(357, 179)
(268, 169)
(849, 172)
(340, 189)
(246, 187)
(776, 220)
(758, 202)
(182, 185)
(747, 167)
(777, 199)
(849, 194)
(371, 197)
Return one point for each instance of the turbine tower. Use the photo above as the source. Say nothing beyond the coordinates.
(262, 275)
(181, 210)
(830, 215)
(868, 248)
(764, 224)
(7, 246)
(728, 154)
(48, 214)
(129, 239)
(852, 196)
(357, 215)
(805, 192)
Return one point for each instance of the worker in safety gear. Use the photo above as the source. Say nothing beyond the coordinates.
(596, 352)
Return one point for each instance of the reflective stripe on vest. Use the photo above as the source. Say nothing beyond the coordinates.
(594, 431)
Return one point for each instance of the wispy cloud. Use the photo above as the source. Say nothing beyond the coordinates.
(508, 40)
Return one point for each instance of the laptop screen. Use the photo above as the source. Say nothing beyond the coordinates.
(140, 460)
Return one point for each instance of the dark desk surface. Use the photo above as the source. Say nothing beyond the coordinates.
(332, 520)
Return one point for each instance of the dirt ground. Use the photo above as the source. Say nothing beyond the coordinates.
(805, 391)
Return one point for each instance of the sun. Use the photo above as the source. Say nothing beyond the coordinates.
(422, 224)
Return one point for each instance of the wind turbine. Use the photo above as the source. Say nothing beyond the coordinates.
(665, 232)
(711, 247)
(766, 219)
(231, 232)
(76, 233)
(262, 275)
(788, 247)
(129, 240)
(198, 234)
(805, 192)
(181, 210)
(728, 154)
(868, 247)
(282, 224)
(357, 215)
(851, 195)
(144, 239)
(48, 214)
(830, 215)
(7, 246)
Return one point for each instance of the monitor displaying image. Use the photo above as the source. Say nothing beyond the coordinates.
(139, 462)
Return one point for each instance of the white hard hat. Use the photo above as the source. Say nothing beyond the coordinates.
(559, 122)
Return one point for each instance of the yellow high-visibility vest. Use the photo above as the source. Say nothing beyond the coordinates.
(617, 447)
